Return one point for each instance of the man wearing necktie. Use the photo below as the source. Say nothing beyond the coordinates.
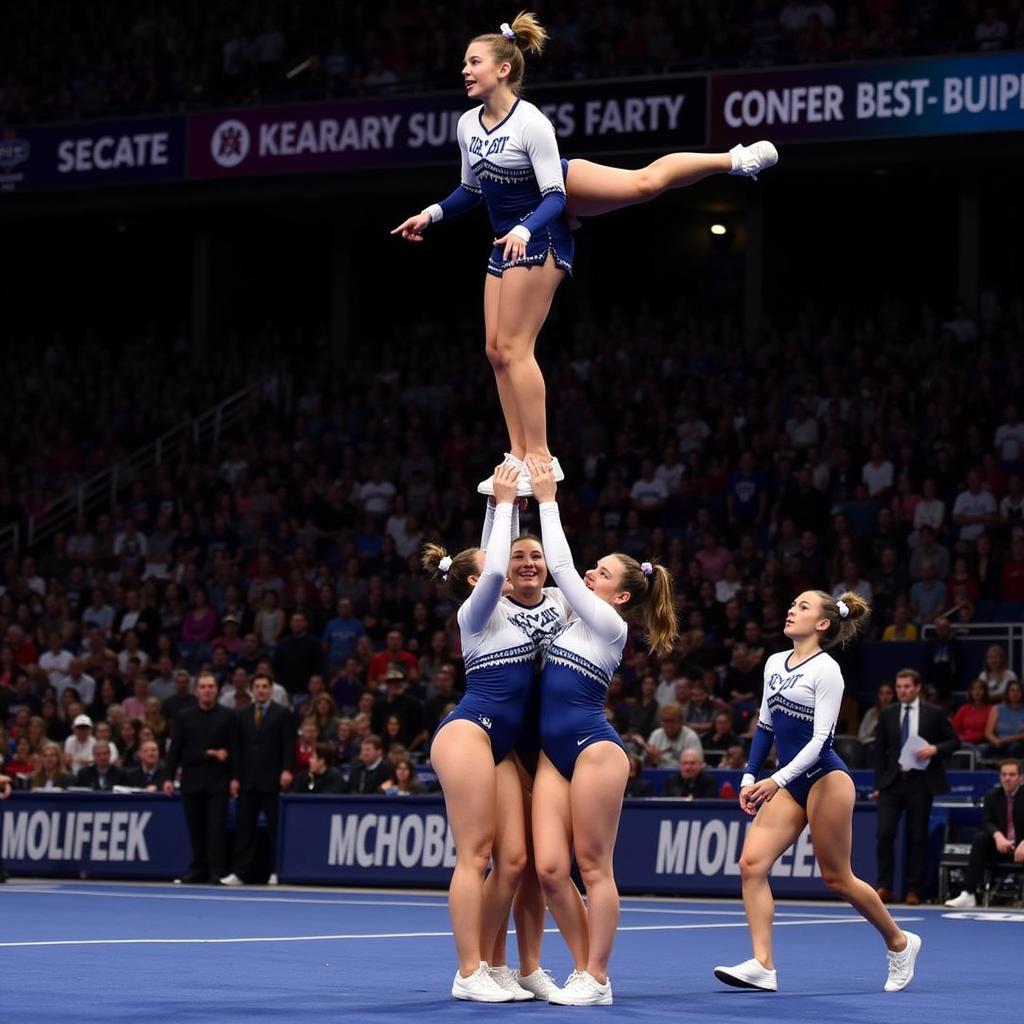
(150, 774)
(1001, 836)
(910, 789)
(101, 774)
(266, 764)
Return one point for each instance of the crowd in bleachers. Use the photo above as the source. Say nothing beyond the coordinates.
(63, 60)
(882, 455)
(85, 403)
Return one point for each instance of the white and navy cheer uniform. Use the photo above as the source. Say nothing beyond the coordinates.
(799, 711)
(516, 169)
(540, 622)
(579, 661)
(499, 646)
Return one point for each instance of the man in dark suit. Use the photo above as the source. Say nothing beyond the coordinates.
(101, 774)
(911, 789)
(1000, 840)
(151, 773)
(205, 747)
(371, 769)
(266, 757)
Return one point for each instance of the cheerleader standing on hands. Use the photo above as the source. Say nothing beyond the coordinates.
(803, 691)
(581, 778)
(510, 158)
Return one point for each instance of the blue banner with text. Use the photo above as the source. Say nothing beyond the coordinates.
(94, 835)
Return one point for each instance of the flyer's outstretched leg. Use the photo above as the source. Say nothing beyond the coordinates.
(593, 189)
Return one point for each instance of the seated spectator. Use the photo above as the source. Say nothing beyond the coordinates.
(230, 638)
(269, 623)
(927, 596)
(643, 716)
(1000, 840)
(636, 784)
(348, 684)
(199, 628)
(181, 698)
(971, 718)
(735, 759)
(78, 746)
(23, 762)
(150, 773)
(670, 739)
(1005, 728)
(692, 782)
(161, 685)
(444, 694)
(395, 753)
(51, 774)
(304, 701)
(974, 510)
(103, 731)
(320, 775)
(668, 676)
(298, 656)
(371, 769)
(885, 694)
(135, 705)
(743, 682)
(928, 549)
(393, 735)
(942, 658)
(324, 714)
(961, 587)
(305, 743)
(403, 705)
(405, 782)
(132, 652)
(102, 773)
(853, 582)
(346, 742)
(127, 734)
(700, 709)
(996, 674)
(394, 653)
(901, 629)
(235, 694)
(155, 720)
(720, 736)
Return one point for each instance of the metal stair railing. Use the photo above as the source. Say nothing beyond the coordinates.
(103, 488)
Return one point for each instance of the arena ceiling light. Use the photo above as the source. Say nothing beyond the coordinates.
(718, 229)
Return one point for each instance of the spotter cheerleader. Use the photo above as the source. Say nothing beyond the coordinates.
(803, 691)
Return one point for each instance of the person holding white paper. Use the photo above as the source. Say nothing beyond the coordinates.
(912, 741)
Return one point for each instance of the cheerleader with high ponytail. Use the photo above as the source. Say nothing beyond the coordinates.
(581, 778)
(510, 160)
(803, 692)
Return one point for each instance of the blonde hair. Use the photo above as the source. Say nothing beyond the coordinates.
(463, 566)
(841, 631)
(39, 776)
(653, 596)
(530, 37)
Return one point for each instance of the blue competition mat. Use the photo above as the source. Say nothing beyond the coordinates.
(129, 952)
